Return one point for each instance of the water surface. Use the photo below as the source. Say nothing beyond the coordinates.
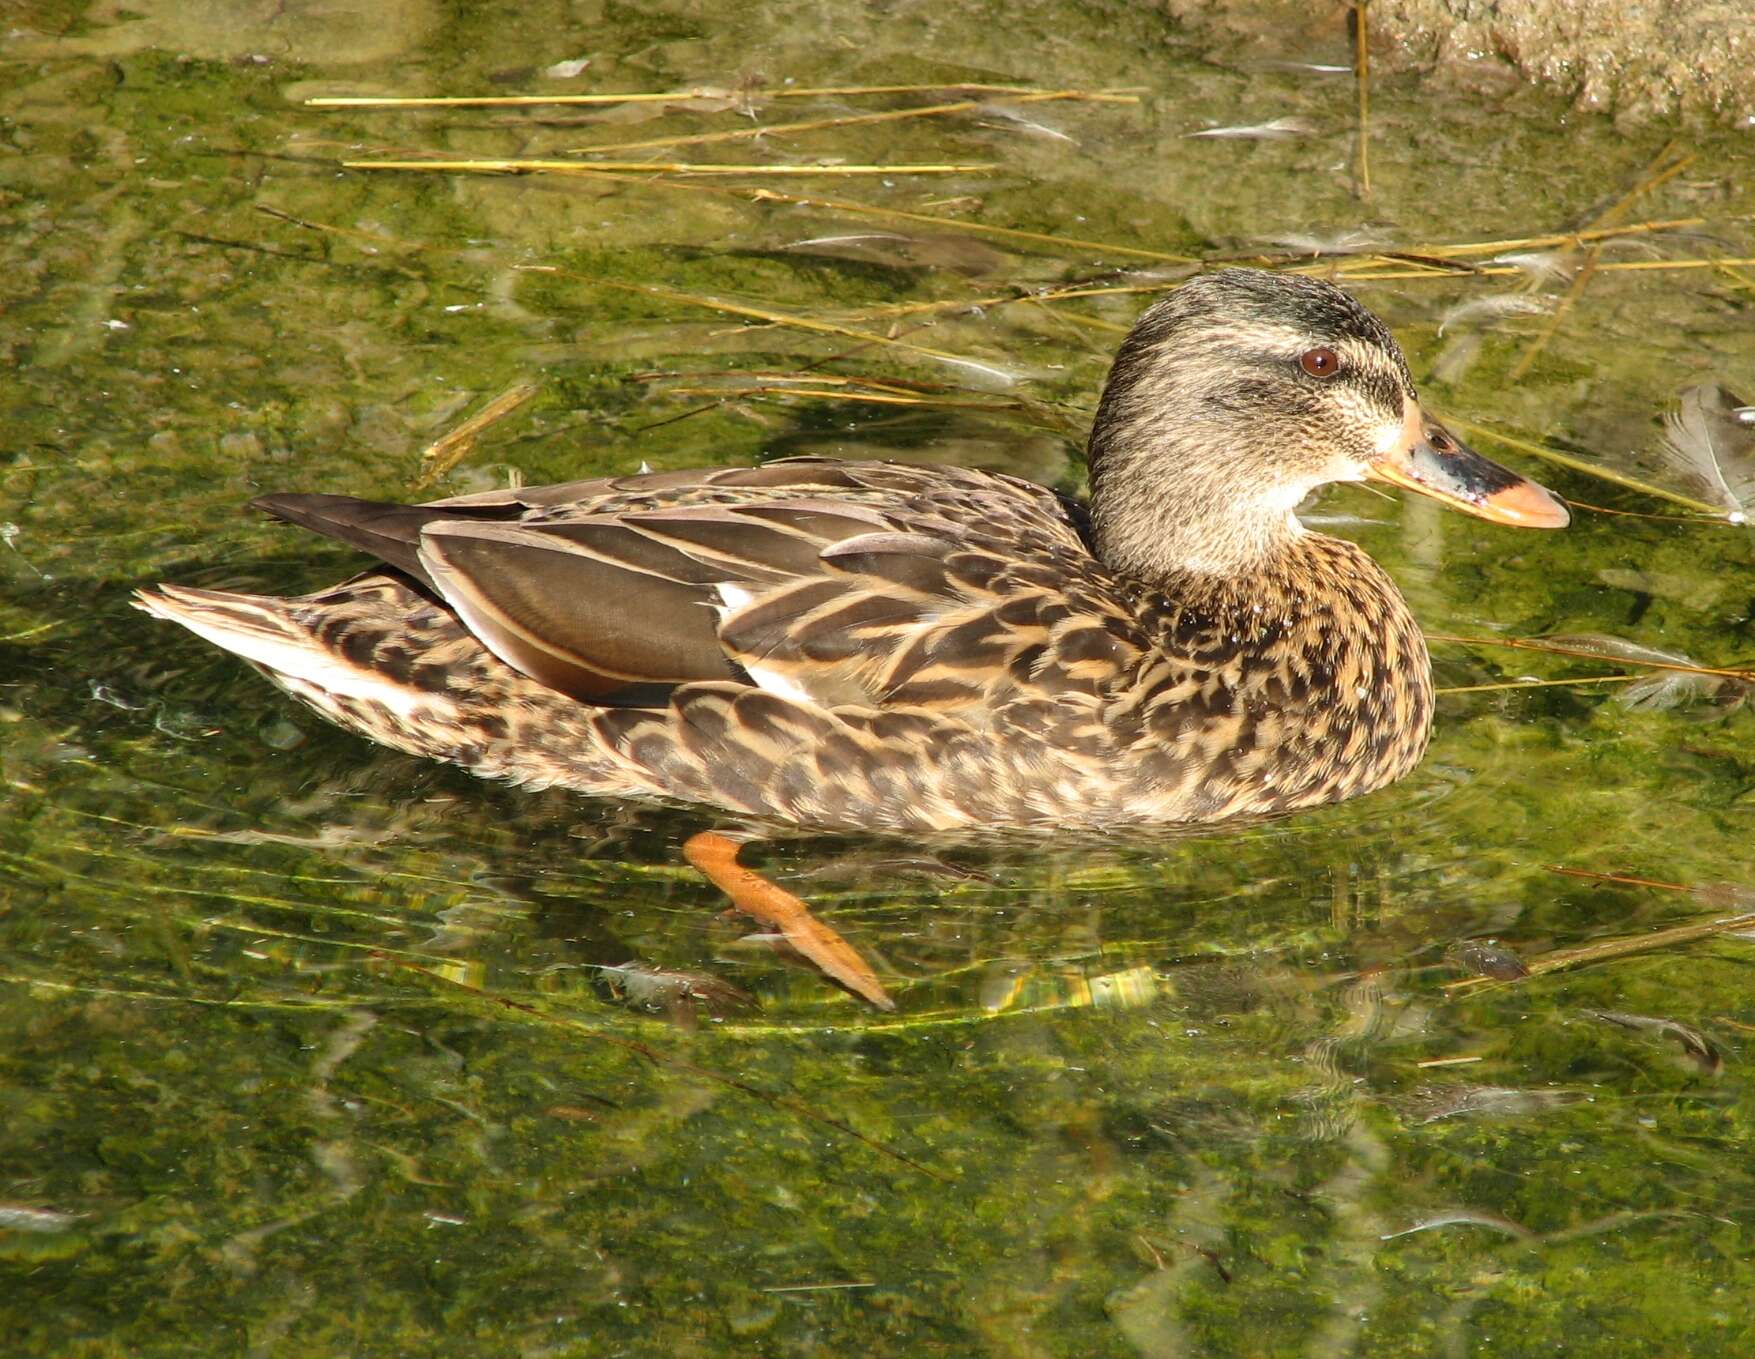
(313, 1048)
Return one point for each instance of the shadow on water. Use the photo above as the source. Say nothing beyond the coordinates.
(311, 1048)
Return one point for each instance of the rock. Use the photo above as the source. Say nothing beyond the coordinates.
(1636, 59)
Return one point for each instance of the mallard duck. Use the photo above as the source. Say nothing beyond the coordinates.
(877, 646)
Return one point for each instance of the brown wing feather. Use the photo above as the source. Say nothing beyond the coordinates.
(869, 583)
(389, 531)
(593, 606)
(584, 624)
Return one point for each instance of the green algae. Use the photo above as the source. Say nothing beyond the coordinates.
(1170, 1095)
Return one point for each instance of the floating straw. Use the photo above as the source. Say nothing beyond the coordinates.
(581, 167)
(1121, 94)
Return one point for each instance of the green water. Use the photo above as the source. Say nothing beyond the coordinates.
(308, 1048)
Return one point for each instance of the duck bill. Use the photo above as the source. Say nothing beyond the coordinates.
(1426, 457)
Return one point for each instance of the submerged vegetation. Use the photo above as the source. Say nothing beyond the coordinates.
(314, 1049)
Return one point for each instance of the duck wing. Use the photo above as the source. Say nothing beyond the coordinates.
(824, 581)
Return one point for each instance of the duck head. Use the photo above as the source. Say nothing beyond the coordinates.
(1240, 393)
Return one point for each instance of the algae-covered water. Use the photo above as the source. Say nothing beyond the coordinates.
(310, 1048)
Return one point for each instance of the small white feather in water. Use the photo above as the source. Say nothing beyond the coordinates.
(1305, 67)
(1277, 130)
(996, 377)
(1710, 440)
(1352, 241)
(1661, 689)
(1539, 264)
(1611, 648)
(1499, 304)
(1000, 113)
(1665, 689)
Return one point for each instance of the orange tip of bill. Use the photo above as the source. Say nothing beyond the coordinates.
(1526, 505)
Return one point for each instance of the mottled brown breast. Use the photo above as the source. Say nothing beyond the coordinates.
(1309, 686)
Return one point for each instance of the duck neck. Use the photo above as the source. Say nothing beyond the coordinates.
(1208, 533)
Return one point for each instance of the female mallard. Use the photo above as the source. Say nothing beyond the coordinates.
(867, 645)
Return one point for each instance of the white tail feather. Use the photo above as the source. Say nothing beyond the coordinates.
(258, 629)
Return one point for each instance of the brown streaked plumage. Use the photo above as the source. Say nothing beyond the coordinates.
(884, 647)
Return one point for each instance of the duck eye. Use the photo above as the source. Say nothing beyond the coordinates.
(1321, 362)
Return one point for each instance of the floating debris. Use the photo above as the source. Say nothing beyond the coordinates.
(638, 167)
(1724, 896)
(1547, 266)
(1466, 1217)
(1628, 945)
(9, 537)
(1498, 304)
(1304, 67)
(1677, 679)
(1700, 1051)
(18, 1218)
(1662, 692)
(663, 988)
(1349, 241)
(104, 693)
(1433, 1103)
(772, 130)
(1280, 129)
(1487, 959)
(445, 452)
(717, 95)
(906, 250)
(999, 113)
(1710, 440)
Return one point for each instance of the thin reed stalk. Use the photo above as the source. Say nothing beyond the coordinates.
(1553, 649)
(638, 167)
(1362, 78)
(1121, 94)
(765, 130)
